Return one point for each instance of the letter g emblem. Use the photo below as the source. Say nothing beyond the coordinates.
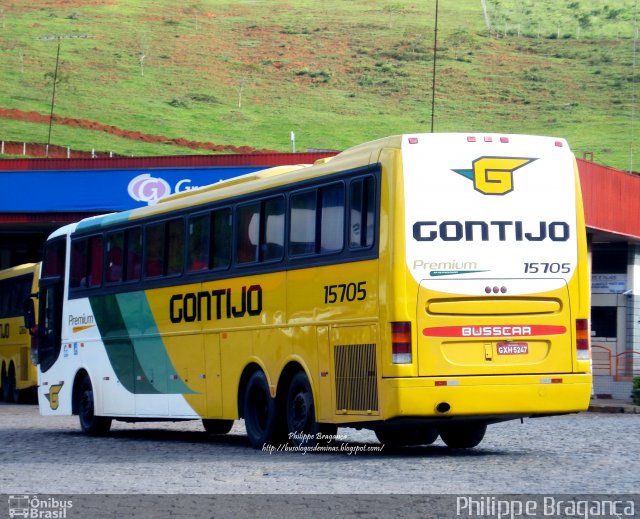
(493, 175)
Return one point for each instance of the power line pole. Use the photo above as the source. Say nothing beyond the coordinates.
(433, 84)
(55, 76)
(633, 84)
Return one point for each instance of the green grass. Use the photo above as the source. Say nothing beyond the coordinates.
(336, 72)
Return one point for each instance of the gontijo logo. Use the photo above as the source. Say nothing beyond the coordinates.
(493, 175)
(145, 188)
(148, 189)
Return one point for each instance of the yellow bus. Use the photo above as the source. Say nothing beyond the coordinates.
(19, 374)
(420, 285)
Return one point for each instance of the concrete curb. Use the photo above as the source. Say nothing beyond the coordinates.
(613, 406)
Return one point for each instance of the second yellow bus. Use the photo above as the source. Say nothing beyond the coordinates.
(18, 374)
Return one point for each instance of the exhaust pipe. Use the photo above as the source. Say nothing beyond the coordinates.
(443, 407)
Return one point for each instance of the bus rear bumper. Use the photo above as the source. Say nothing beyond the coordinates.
(477, 397)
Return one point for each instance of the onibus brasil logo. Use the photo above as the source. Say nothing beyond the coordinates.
(494, 175)
(38, 507)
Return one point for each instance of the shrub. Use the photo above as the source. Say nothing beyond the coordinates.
(635, 392)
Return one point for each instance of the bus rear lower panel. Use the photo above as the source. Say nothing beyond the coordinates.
(487, 397)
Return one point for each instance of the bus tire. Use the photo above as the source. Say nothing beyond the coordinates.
(405, 436)
(90, 424)
(304, 430)
(9, 391)
(3, 376)
(260, 411)
(464, 436)
(217, 426)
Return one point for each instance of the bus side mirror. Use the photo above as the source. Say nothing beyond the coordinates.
(30, 316)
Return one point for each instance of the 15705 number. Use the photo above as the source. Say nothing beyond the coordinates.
(345, 292)
(547, 268)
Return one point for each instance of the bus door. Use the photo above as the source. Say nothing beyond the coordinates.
(49, 322)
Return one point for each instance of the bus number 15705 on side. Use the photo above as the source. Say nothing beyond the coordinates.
(345, 292)
(545, 268)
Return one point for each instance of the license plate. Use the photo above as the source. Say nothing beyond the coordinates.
(512, 348)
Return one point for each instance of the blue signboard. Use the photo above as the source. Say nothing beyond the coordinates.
(103, 190)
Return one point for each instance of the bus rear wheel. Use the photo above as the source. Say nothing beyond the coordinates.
(3, 383)
(260, 411)
(90, 423)
(9, 391)
(405, 436)
(213, 426)
(464, 436)
(304, 430)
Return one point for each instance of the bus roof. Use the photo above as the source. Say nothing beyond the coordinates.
(18, 270)
(354, 157)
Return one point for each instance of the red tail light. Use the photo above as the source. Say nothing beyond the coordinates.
(582, 339)
(401, 343)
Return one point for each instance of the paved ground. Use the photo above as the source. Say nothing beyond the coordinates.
(589, 452)
(182, 472)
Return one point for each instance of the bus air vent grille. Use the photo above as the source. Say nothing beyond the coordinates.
(356, 377)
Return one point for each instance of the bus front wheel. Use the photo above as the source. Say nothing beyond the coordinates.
(213, 426)
(303, 428)
(260, 411)
(90, 423)
(463, 436)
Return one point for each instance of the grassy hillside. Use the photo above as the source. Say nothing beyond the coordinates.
(336, 72)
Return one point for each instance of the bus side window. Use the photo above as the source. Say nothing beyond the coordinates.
(273, 233)
(198, 242)
(54, 257)
(175, 246)
(302, 223)
(78, 263)
(115, 257)
(248, 232)
(95, 261)
(4, 299)
(134, 254)
(221, 234)
(361, 214)
(154, 250)
(86, 262)
(332, 218)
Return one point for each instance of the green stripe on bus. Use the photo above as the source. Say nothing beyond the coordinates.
(147, 343)
(118, 345)
(133, 344)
